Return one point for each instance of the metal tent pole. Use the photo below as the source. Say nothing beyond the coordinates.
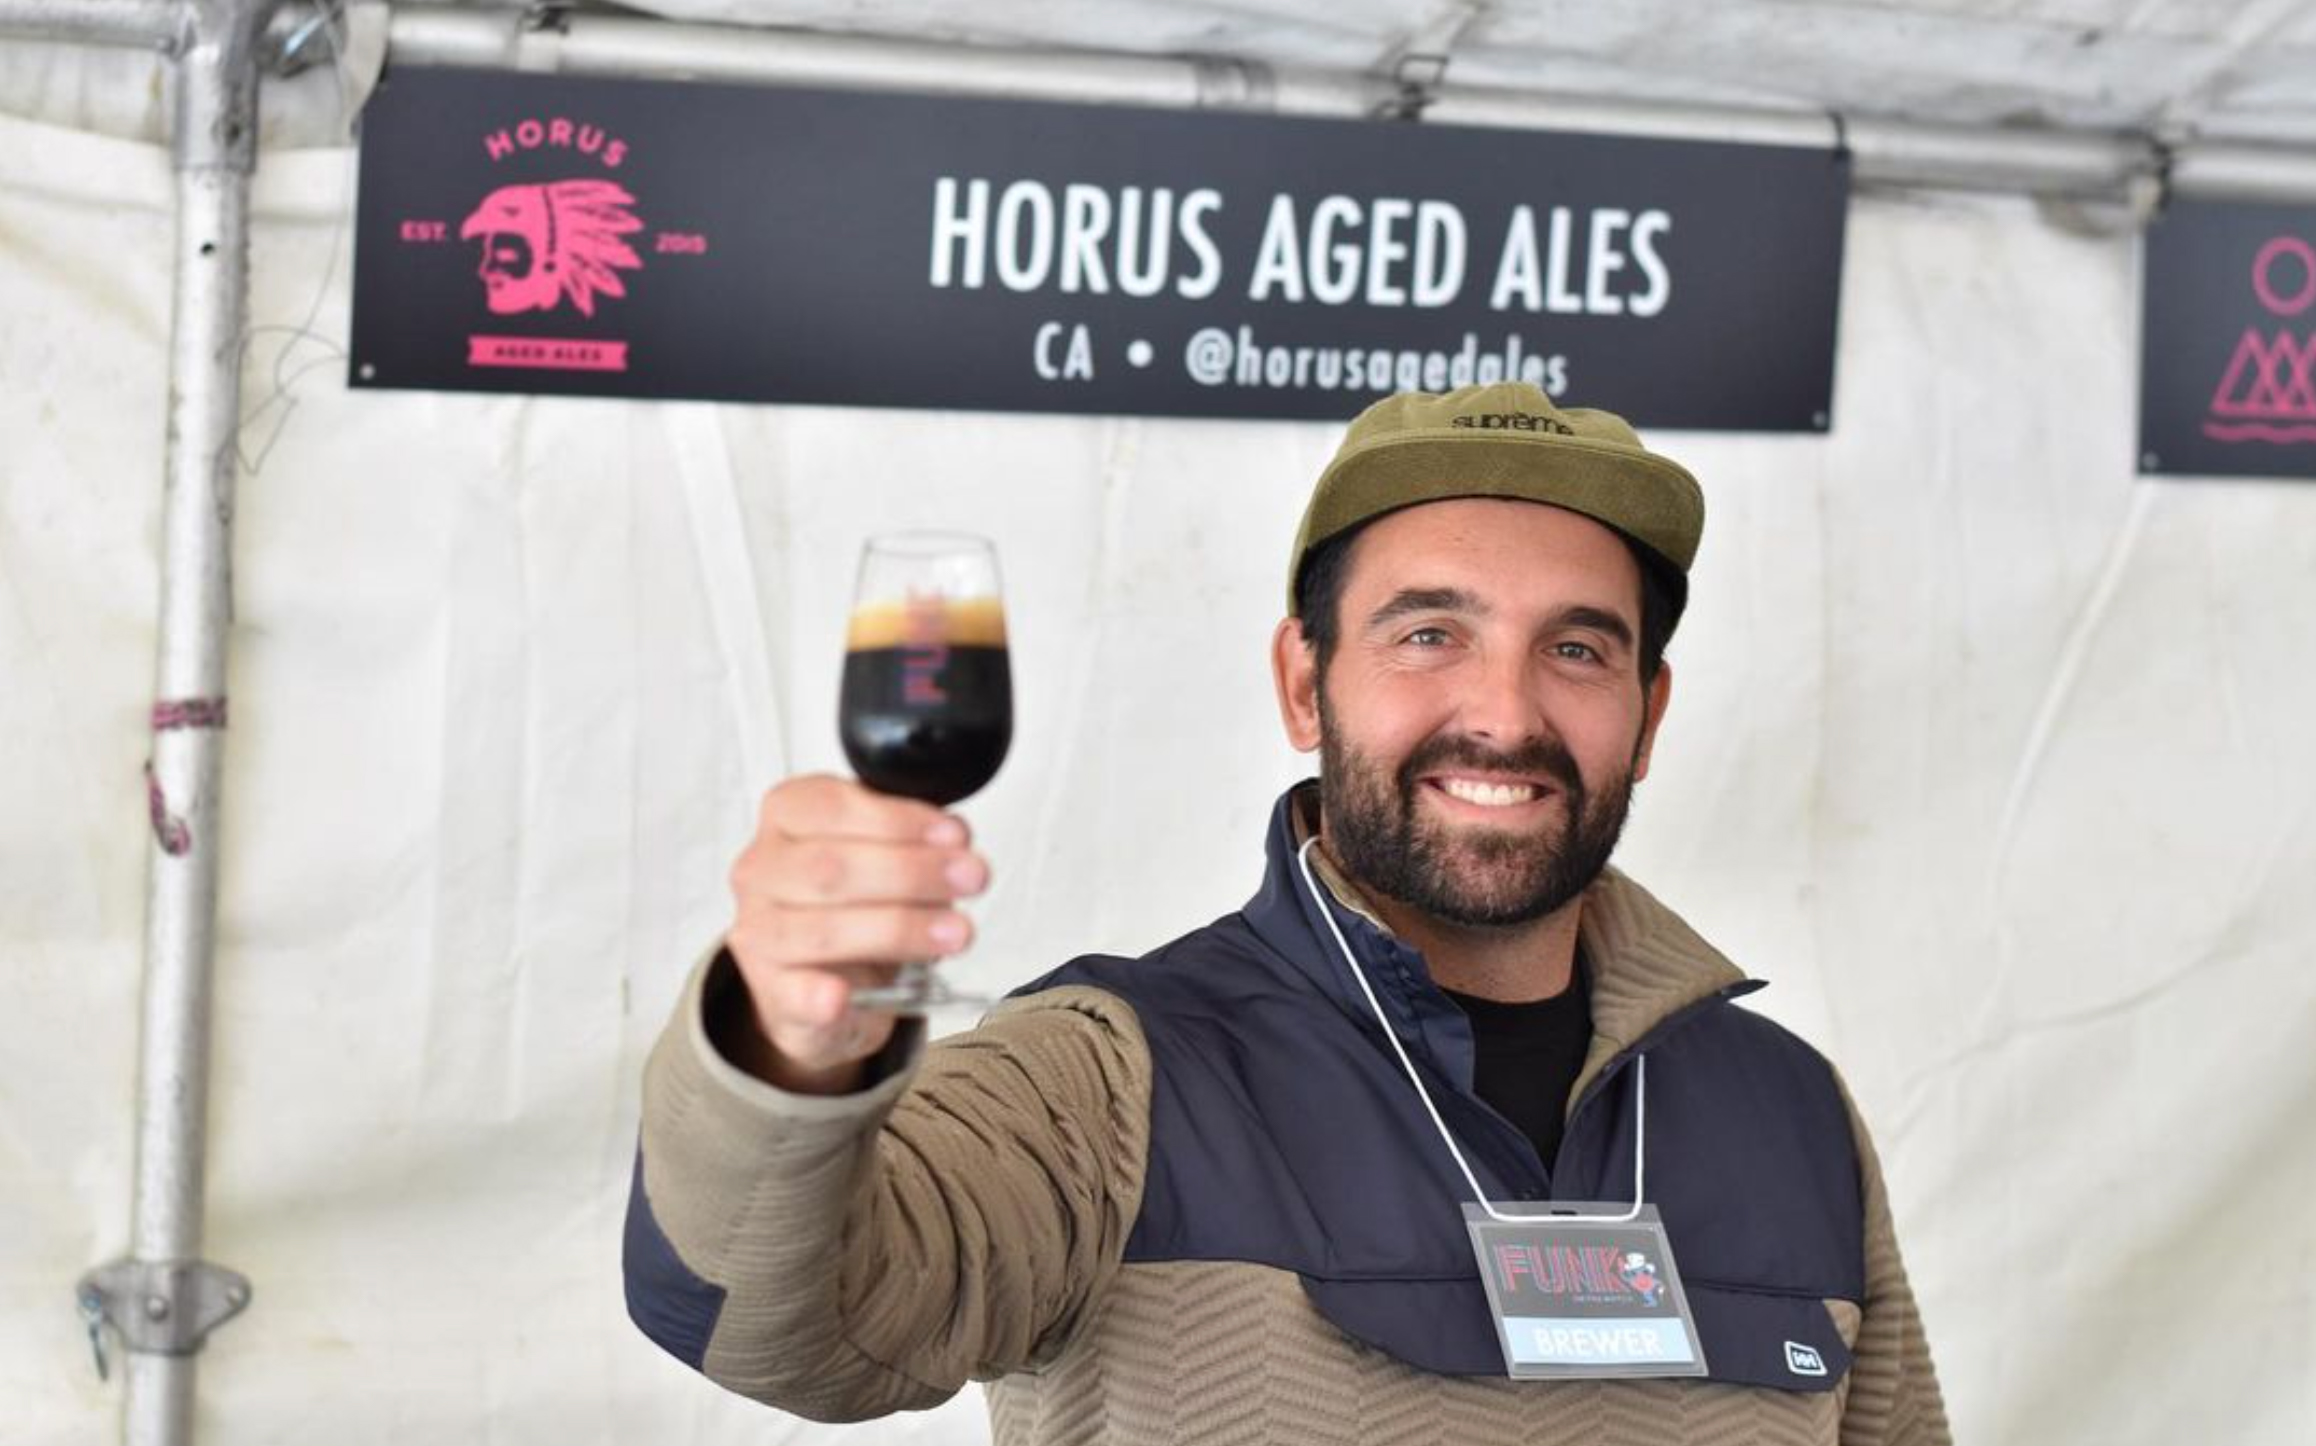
(157, 24)
(215, 150)
(164, 1299)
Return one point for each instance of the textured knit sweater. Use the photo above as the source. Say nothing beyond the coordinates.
(1090, 1203)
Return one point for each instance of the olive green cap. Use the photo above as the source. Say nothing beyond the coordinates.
(1506, 439)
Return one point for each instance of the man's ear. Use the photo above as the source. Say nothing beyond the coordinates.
(1660, 697)
(1295, 672)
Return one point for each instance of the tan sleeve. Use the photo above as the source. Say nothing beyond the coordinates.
(956, 1220)
(1893, 1394)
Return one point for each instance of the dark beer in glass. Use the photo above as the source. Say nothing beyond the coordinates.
(926, 705)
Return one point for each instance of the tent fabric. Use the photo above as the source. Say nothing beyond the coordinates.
(2188, 70)
(2212, 68)
(1990, 755)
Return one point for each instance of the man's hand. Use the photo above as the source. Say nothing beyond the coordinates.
(839, 887)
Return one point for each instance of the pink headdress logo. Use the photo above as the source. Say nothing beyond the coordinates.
(2269, 391)
(552, 251)
(547, 243)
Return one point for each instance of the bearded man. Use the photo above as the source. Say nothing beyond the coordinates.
(1452, 1133)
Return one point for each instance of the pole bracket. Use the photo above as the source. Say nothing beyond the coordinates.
(298, 41)
(163, 1308)
(1416, 80)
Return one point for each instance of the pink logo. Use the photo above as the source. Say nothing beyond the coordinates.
(925, 652)
(2269, 391)
(550, 353)
(1639, 1272)
(555, 247)
(549, 243)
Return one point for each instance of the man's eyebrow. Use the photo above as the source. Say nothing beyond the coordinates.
(1426, 600)
(1600, 620)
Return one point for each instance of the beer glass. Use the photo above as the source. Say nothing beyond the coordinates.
(926, 709)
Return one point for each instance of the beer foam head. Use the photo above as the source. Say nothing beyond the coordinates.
(972, 622)
(1506, 439)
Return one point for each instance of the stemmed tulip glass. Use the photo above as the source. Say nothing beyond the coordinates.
(926, 709)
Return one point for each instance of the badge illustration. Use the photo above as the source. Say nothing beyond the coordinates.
(2269, 391)
(552, 242)
(1637, 1271)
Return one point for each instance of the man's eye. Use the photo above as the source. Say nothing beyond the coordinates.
(1427, 637)
(1577, 652)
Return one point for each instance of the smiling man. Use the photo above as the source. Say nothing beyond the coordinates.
(1481, 727)
(1288, 1178)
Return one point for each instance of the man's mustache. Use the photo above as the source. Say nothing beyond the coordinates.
(1545, 757)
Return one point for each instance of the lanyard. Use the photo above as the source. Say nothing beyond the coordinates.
(1640, 1078)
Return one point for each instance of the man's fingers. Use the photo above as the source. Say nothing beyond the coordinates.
(839, 888)
(844, 871)
(817, 999)
(821, 805)
(777, 937)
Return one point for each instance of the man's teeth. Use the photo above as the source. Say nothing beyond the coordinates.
(1490, 795)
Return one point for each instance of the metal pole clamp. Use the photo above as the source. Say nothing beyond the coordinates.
(165, 1309)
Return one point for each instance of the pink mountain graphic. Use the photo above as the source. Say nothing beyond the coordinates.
(2269, 391)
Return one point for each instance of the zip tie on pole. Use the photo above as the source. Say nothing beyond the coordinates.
(169, 830)
(173, 713)
(170, 715)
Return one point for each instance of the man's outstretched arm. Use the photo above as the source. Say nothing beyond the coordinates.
(844, 1256)
(831, 1218)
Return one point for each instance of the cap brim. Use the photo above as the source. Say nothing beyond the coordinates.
(1648, 498)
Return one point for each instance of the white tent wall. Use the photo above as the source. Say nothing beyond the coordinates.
(1990, 755)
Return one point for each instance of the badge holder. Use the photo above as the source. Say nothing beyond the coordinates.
(1578, 1291)
(1584, 1291)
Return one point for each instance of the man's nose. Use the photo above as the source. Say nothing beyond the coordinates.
(1500, 702)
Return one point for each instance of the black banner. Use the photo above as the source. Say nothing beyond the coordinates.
(651, 239)
(2227, 369)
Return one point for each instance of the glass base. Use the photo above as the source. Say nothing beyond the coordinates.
(917, 990)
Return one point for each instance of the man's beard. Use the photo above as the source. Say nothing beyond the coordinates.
(1471, 876)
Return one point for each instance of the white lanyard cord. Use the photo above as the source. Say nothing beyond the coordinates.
(1640, 1074)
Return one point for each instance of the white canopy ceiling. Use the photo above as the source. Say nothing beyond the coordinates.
(2239, 69)
(2234, 70)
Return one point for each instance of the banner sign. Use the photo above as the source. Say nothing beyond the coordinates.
(657, 239)
(2227, 368)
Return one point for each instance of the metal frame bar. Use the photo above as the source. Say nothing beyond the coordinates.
(1887, 152)
(2107, 165)
(154, 24)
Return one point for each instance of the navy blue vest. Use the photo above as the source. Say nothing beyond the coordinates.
(1283, 1132)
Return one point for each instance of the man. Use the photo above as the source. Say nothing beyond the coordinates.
(1205, 1195)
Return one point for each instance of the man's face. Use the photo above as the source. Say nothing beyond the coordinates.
(1482, 720)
